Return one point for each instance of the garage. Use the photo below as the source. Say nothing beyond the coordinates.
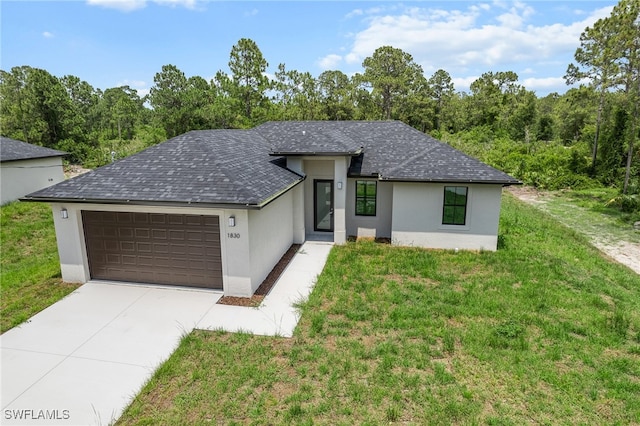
(154, 248)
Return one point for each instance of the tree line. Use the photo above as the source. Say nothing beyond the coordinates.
(585, 136)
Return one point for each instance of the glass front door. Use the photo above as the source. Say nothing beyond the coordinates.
(323, 205)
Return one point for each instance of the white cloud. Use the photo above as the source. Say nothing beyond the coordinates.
(352, 58)
(547, 84)
(471, 40)
(122, 5)
(137, 85)
(252, 12)
(132, 83)
(543, 85)
(329, 62)
(462, 84)
(47, 34)
(131, 5)
(353, 13)
(189, 4)
(516, 16)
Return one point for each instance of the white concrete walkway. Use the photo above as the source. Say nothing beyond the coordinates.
(82, 360)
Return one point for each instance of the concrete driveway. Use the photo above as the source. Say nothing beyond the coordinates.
(83, 359)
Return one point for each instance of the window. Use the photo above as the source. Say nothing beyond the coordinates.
(366, 197)
(455, 205)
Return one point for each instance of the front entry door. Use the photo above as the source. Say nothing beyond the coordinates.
(323, 205)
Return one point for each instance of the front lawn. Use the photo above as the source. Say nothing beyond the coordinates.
(546, 330)
(30, 269)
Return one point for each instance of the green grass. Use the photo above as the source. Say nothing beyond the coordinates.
(546, 330)
(29, 265)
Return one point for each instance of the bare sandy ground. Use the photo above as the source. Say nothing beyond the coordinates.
(624, 252)
(73, 171)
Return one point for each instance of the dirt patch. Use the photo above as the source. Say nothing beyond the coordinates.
(527, 194)
(624, 252)
(74, 170)
(267, 284)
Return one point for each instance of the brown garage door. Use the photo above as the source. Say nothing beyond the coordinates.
(154, 248)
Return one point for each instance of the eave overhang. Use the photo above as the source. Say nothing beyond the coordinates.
(445, 180)
(158, 203)
(317, 153)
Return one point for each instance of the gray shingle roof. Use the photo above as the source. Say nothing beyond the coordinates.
(13, 150)
(214, 167)
(245, 167)
(308, 138)
(392, 150)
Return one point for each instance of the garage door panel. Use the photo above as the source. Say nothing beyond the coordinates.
(179, 264)
(94, 232)
(107, 217)
(193, 220)
(193, 235)
(176, 235)
(142, 233)
(146, 277)
(154, 248)
(119, 232)
(144, 247)
(160, 248)
(173, 219)
(159, 234)
(124, 218)
(141, 218)
(95, 245)
(212, 237)
(177, 250)
(125, 246)
(211, 251)
(144, 260)
(197, 251)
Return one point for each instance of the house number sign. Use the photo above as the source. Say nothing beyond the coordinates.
(234, 235)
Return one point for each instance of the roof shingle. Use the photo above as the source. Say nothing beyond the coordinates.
(13, 150)
(245, 167)
(391, 150)
(206, 166)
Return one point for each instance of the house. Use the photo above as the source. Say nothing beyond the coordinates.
(25, 168)
(218, 208)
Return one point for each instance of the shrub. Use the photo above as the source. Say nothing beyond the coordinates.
(626, 203)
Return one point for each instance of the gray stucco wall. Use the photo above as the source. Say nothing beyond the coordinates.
(270, 236)
(417, 217)
(378, 226)
(22, 177)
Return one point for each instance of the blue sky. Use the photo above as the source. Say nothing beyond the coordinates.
(110, 43)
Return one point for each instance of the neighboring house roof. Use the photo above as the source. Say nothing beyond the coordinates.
(245, 168)
(13, 150)
(388, 150)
